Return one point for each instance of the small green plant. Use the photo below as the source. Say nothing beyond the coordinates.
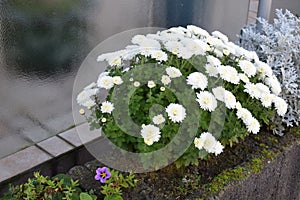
(114, 181)
(42, 187)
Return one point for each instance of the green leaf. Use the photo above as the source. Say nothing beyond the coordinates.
(85, 196)
(113, 197)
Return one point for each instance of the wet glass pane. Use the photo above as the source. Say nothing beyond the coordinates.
(43, 43)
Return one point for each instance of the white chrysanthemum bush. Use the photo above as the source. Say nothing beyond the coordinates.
(185, 80)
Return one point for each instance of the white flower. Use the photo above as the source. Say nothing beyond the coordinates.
(211, 70)
(138, 39)
(248, 68)
(229, 74)
(226, 52)
(173, 72)
(158, 55)
(105, 82)
(197, 80)
(165, 80)
(267, 100)
(218, 148)
(136, 84)
(230, 100)
(244, 78)
(264, 69)
(151, 84)
(219, 93)
(91, 86)
(162, 89)
(220, 35)
(207, 101)
(174, 47)
(280, 105)
(158, 119)
(117, 80)
(150, 133)
(215, 42)
(115, 61)
(252, 125)
(198, 31)
(107, 107)
(198, 143)
(209, 142)
(103, 120)
(81, 111)
(195, 47)
(213, 60)
(252, 90)
(238, 105)
(274, 84)
(244, 114)
(85, 97)
(176, 112)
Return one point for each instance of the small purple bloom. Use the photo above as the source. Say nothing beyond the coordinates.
(102, 174)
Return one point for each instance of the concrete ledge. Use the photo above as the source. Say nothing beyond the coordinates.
(277, 180)
(51, 156)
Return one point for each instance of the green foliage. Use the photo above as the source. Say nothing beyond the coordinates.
(59, 187)
(113, 186)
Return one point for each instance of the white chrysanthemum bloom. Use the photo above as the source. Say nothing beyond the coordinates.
(150, 133)
(198, 143)
(165, 80)
(243, 114)
(220, 35)
(103, 120)
(244, 78)
(158, 119)
(105, 82)
(173, 46)
(218, 148)
(219, 93)
(263, 89)
(82, 111)
(211, 70)
(115, 61)
(173, 72)
(274, 84)
(229, 74)
(209, 142)
(252, 90)
(231, 47)
(107, 107)
(264, 69)
(151, 84)
(138, 39)
(213, 60)
(196, 47)
(229, 100)
(226, 52)
(248, 67)
(267, 100)
(280, 106)
(197, 80)
(158, 55)
(218, 53)
(117, 80)
(207, 101)
(85, 97)
(151, 44)
(136, 84)
(238, 105)
(176, 112)
(253, 125)
(198, 31)
(184, 53)
(214, 42)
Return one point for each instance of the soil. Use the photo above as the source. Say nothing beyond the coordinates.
(192, 181)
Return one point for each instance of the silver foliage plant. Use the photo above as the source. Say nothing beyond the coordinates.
(278, 44)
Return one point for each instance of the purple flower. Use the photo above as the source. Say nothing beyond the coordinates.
(102, 174)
